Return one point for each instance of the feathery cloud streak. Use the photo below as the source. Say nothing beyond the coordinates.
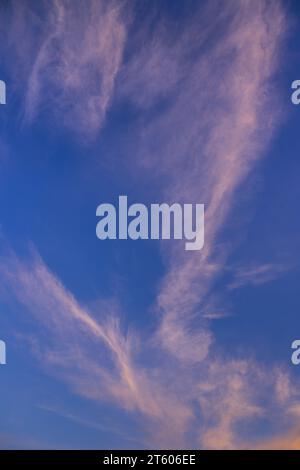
(69, 52)
(218, 118)
(216, 127)
(95, 358)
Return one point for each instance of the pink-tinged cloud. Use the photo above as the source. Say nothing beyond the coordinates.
(219, 121)
(203, 145)
(68, 58)
(258, 274)
(288, 441)
(94, 356)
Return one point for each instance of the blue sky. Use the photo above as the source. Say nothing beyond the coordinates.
(140, 344)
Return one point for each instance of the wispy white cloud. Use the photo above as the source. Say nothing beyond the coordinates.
(216, 124)
(94, 357)
(103, 426)
(68, 54)
(97, 360)
(258, 274)
(211, 134)
(228, 401)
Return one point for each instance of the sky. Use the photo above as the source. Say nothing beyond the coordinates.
(139, 344)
